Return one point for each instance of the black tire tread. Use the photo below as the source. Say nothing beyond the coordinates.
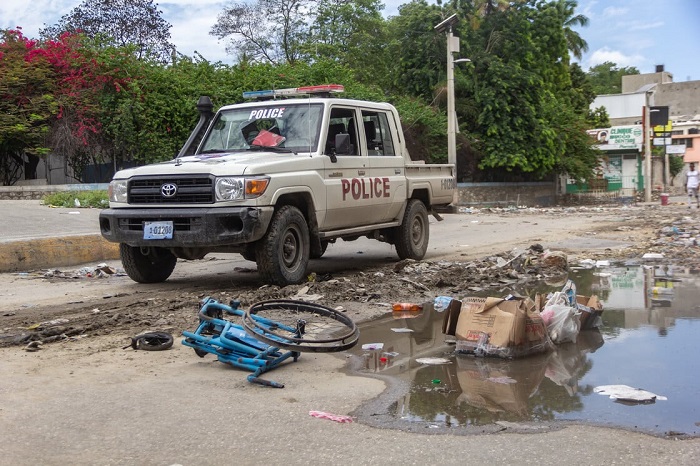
(270, 264)
(405, 248)
(144, 269)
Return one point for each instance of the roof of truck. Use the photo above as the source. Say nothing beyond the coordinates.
(326, 101)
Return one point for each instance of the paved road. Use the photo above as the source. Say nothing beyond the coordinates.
(26, 220)
(90, 402)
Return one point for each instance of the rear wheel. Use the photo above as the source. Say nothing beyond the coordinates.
(411, 238)
(147, 265)
(283, 253)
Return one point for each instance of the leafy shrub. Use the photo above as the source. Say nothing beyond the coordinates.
(96, 199)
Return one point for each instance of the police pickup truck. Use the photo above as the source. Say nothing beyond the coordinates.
(277, 179)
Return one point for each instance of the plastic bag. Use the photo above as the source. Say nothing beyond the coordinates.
(563, 323)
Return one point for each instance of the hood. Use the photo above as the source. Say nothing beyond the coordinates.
(219, 164)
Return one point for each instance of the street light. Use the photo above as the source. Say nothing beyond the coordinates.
(452, 47)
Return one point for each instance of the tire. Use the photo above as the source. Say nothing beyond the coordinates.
(283, 253)
(147, 265)
(318, 254)
(411, 238)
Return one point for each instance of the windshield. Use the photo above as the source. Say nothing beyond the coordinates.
(276, 124)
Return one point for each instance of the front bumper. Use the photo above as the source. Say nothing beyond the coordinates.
(193, 227)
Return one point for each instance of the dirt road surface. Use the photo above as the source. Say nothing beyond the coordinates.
(82, 399)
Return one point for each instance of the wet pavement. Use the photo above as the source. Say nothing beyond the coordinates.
(648, 339)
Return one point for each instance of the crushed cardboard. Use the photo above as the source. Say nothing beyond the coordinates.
(507, 328)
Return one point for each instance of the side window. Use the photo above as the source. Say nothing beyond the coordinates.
(342, 121)
(377, 133)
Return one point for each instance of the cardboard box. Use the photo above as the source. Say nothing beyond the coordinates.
(497, 327)
(591, 309)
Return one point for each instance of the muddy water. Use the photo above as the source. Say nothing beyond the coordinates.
(649, 338)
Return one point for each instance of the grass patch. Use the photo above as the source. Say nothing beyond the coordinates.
(96, 199)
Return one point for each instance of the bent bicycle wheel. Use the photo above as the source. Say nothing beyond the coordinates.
(300, 326)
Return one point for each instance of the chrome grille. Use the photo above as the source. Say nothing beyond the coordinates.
(190, 190)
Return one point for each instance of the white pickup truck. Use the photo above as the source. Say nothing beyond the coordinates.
(277, 180)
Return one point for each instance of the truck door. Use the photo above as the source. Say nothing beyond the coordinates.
(345, 179)
(382, 144)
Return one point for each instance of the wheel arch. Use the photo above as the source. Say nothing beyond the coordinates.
(423, 195)
(304, 201)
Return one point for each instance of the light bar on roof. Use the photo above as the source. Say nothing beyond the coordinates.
(290, 91)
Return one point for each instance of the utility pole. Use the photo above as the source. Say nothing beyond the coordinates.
(647, 148)
(452, 47)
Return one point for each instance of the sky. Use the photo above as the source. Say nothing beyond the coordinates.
(639, 33)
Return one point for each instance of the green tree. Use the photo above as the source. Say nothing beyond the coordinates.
(531, 106)
(351, 32)
(265, 30)
(27, 105)
(606, 78)
(575, 43)
(417, 52)
(119, 23)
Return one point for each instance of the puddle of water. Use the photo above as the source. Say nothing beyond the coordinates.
(650, 339)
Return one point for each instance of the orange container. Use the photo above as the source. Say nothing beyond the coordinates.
(397, 307)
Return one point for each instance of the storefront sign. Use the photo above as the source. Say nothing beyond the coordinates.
(618, 137)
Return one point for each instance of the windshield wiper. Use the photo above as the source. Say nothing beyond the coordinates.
(257, 147)
(215, 151)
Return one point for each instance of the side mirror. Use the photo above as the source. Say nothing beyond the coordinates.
(342, 144)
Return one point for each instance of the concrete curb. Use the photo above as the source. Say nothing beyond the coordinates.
(16, 256)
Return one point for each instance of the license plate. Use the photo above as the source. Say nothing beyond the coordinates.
(158, 230)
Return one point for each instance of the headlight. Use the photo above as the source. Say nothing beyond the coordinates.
(234, 188)
(117, 191)
(229, 189)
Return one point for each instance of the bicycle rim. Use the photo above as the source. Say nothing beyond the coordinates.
(300, 326)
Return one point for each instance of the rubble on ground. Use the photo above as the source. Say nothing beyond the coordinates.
(671, 234)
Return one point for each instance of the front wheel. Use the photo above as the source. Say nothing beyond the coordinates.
(411, 238)
(147, 265)
(283, 253)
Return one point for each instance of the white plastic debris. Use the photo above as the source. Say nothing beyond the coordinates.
(652, 256)
(587, 263)
(441, 303)
(627, 393)
(433, 361)
(401, 330)
(501, 380)
(372, 346)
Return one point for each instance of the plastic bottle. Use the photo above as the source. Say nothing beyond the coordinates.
(441, 303)
(407, 307)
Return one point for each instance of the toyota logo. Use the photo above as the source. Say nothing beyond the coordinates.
(168, 190)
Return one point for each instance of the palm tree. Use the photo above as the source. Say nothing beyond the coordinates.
(574, 42)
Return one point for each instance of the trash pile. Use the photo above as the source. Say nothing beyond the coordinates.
(98, 271)
(679, 241)
(516, 326)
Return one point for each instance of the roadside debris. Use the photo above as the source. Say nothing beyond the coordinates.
(343, 419)
(433, 361)
(628, 394)
(98, 271)
(151, 341)
(514, 326)
(268, 333)
(33, 346)
(372, 346)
